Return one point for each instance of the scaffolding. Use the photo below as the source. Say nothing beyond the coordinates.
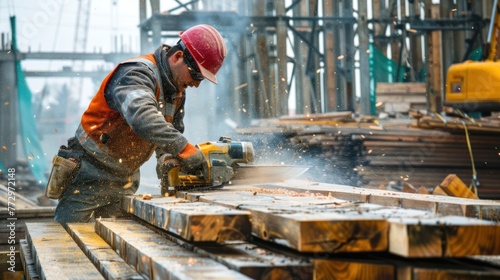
(319, 51)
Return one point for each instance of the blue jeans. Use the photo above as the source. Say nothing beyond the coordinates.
(94, 193)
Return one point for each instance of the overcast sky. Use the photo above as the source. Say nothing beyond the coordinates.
(49, 25)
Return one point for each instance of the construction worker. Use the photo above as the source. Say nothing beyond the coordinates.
(138, 110)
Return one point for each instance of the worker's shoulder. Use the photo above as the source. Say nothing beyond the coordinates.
(147, 59)
(135, 66)
(132, 73)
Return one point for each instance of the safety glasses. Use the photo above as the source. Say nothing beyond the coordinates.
(191, 64)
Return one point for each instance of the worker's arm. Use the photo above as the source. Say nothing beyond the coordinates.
(131, 91)
(178, 121)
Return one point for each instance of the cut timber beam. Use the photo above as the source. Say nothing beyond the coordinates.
(386, 266)
(256, 262)
(443, 237)
(320, 229)
(56, 255)
(472, 208)
(100, 253)
(193, 221)
(453, 186)
(157, 257)
(353, 269)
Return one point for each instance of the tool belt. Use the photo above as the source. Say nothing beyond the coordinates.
(65, 165)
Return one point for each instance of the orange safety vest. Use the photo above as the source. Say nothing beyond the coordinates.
(113, 142)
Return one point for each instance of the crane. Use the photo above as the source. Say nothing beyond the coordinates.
(80, 42)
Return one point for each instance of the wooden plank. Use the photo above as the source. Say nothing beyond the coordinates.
(189, 273)
(237, 198)
(100, 253)
(482, 209)
(453, 186)
(424, 273)
(344, 116)
(256, 262)
(394, 100)
(400, 88)
(56, 255)
(17, 275)
(153, 255)
(29, 267)
(38, 212)
(387, 266)
(353, 269)
(193, 221)
(443, 237)
(20, 229)
(21, 202)
(401, 106)
(321, 229)
(439, 191)
(423, 190)
(10, 260)
(293, 193)
(197, 222)
(411, 268)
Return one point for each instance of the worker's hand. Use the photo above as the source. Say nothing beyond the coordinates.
(164, 163)
(192, 161)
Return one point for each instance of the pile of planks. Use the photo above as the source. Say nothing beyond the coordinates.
(364, 152)
(288, 230)
(399, 98)
(21, 201)
(483, 125)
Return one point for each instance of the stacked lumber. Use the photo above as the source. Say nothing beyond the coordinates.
(21, 201)
(427, 158)
(9, 238)
(401, 97)
(56, 255)
(102, 255)
(459, 124)
(367, 153)
(287, 230)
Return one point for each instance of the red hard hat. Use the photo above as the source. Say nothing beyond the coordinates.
(207, 47)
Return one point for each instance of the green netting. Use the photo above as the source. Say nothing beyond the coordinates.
(31, 142)
(477, 54)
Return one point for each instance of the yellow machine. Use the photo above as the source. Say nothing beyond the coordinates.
(474, 86)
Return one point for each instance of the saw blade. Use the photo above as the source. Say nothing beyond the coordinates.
(260, 174)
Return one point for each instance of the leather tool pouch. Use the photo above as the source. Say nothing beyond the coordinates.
(65, 165)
